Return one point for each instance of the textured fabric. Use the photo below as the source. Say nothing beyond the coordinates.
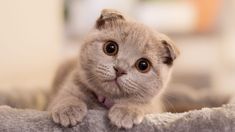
(205, 120)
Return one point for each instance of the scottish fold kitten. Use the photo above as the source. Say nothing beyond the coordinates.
(123, 66)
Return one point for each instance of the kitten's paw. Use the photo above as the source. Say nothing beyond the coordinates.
(124, 117)
(68, 115)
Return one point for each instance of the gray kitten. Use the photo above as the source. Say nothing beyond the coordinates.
(123, 66)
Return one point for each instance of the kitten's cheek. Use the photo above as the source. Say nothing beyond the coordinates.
(104, 73)
(157, 91)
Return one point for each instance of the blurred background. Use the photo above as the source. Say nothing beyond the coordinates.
(36, 35)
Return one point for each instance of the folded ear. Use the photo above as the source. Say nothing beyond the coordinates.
(171, 51)
(108, 17)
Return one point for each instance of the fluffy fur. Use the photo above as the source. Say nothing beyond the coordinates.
(80, 82)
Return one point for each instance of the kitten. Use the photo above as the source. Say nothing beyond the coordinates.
(123, 66)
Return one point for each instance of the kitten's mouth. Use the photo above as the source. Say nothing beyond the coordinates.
(115, 81)
(107, 102)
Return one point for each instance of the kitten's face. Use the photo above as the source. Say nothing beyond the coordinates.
(121, 58)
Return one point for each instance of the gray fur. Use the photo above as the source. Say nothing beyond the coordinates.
(220, 119)
(135, 93)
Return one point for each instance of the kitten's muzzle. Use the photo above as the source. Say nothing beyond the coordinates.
(119, 71)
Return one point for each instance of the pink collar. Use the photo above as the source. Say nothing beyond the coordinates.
(107, 102)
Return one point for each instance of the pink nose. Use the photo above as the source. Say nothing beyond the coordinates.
(119, 71)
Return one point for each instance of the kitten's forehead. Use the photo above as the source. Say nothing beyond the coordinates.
(141, 39)
(135, 35)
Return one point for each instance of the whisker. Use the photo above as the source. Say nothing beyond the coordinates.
(103, 65)
(131, 83)
(128, 88)
(144, 92)
(135, 87)
(91, 77)
(101, 68)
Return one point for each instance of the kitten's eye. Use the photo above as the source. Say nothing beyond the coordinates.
(110, 48)
(142, 65)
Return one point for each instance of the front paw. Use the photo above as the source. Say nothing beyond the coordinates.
(68, 115)
(125, 117)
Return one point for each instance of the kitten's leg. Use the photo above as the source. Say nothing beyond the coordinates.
(68, 108)
(125, 115)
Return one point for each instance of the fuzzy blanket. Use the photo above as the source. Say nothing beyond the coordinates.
(220, 119)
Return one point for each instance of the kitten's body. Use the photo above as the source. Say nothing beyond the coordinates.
(63, 73)
(100, 80)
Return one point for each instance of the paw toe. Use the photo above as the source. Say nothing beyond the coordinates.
(124, 118)
(64, 119)
(68, 116)
(127, 122)
(55, 117)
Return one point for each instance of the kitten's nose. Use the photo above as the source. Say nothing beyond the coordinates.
(119, 71)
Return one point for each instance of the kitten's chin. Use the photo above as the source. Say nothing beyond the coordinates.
(109, 88)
